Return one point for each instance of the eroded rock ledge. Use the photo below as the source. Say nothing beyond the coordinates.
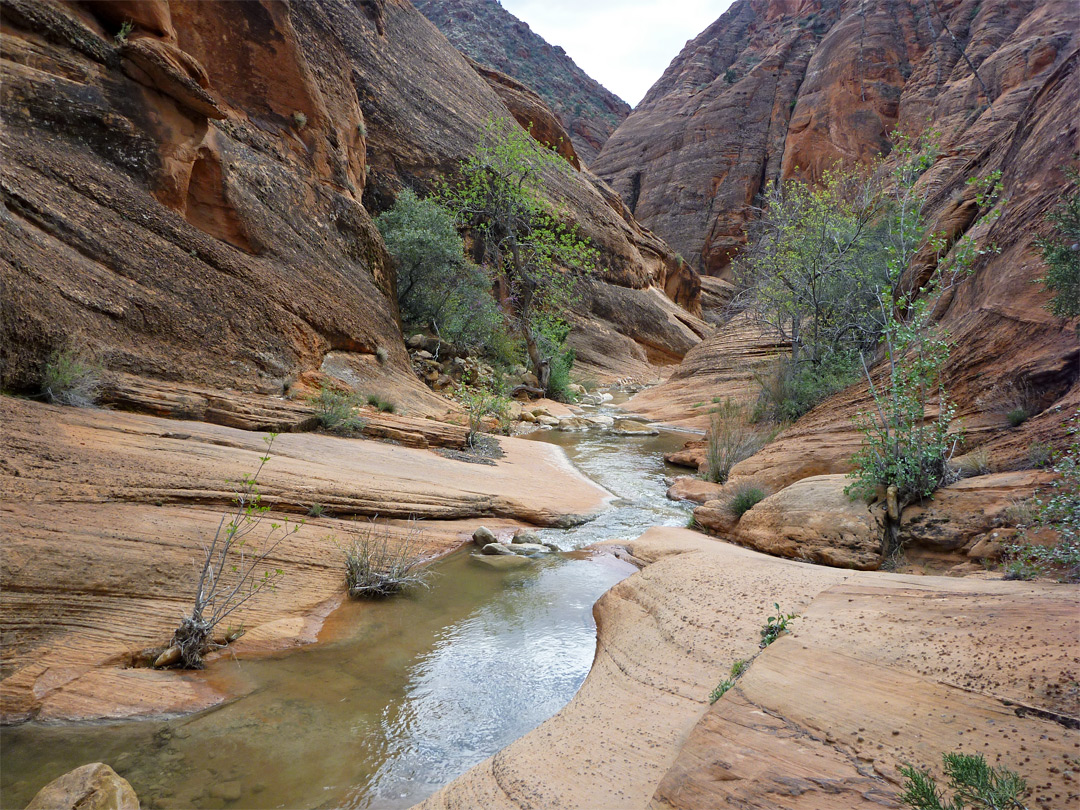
(104, 513)
(880, 670)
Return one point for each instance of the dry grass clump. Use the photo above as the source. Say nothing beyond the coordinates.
(378, 564)
(71, 377)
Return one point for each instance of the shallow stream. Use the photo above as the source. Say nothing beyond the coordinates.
(398, 697)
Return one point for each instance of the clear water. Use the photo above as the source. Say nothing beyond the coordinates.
(399, 697)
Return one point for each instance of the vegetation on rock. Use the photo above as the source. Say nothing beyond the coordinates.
(744, 498)
(530, 252)
(776, 626)
(336, 411)
(235, 567)
(377, 565)
(728, 442)
(1061, 252)
(71, 378)
(1058, 512)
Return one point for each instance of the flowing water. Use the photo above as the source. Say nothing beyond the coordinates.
(399, 697)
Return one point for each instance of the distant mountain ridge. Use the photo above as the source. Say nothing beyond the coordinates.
(491, 35)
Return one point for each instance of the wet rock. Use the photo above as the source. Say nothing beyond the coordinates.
(502, 561)
(547, 421)
(573, 424)
(600, 421)
(496, 548)
(627, 427)
(691, 488)
(229, 791)
(91, 787)
(483, 536)
(528, 548)
(526, 536)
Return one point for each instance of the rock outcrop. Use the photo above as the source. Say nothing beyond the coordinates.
(876, 673)
(488, 33)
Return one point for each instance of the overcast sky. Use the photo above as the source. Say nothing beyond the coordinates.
(624, 44)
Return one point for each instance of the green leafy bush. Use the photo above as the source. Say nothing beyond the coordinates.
(438, 288)
(793, 389)
(745, 498)
(380, 404)
(1061, 252)
(974, 784)
(336, 411)
(71, 378)
(1059, 512)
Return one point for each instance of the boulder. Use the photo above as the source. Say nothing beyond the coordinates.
(600, 421)
(483, 536)
(814, 520)
(547, 421)
(692, 488)
(627, 427)
(495, 549)
(92, 787)
(528, 549)
(573, 424)
(526, 536)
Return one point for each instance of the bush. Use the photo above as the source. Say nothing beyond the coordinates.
(479, 403)
(793, 389)
(1059, 512)
(377, 565)
(438, 288)
(71, 378)
(745, 498)
(1017, 416)
(737, 669)
(730, 76)
(775, 626)
(969, 465)
(1061, 252)
(299, 119)
(974, 784)
(336, 411)
(317, 510)
(234, 569)
(728, 442)
(380, 404)
(1040, 454)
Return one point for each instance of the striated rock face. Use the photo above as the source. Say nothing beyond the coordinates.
(190, 210)
(776, 88)
(491, 35)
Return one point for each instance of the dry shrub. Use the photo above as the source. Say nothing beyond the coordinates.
(378, 564)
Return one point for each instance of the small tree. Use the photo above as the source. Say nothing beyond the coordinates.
(234, 568)
(1061, 252)
(902, 448)
(438, 288)
(528, 249)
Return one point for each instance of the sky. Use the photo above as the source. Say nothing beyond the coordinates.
(624, 44)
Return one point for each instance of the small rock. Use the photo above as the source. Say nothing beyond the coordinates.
(91, 787)
(496, 548)
(423, 354)
(526, 536)
(229, 791)
(483, 535)
(415, 342)
(167, 658)
(548, 421)
(528, 548)
(574, 388)
(527, 417)
(600, 421)
(573, 423)
(627, 427)
(502, 560)
(606, 397)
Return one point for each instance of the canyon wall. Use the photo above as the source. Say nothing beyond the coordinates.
(494, 37)
(189, 190)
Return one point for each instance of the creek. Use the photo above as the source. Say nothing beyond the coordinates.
(398, 697)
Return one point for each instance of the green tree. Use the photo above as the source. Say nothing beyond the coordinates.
(438, 288)
(1061, 252)
(902, 447)
(530, 251)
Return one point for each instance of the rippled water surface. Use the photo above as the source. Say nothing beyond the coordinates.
(410, 694)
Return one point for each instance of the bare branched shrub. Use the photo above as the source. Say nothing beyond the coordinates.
(378, 564)
(728, 442)
(71, 377)
(234, 568)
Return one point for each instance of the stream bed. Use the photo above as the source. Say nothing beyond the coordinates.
(398, 697)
